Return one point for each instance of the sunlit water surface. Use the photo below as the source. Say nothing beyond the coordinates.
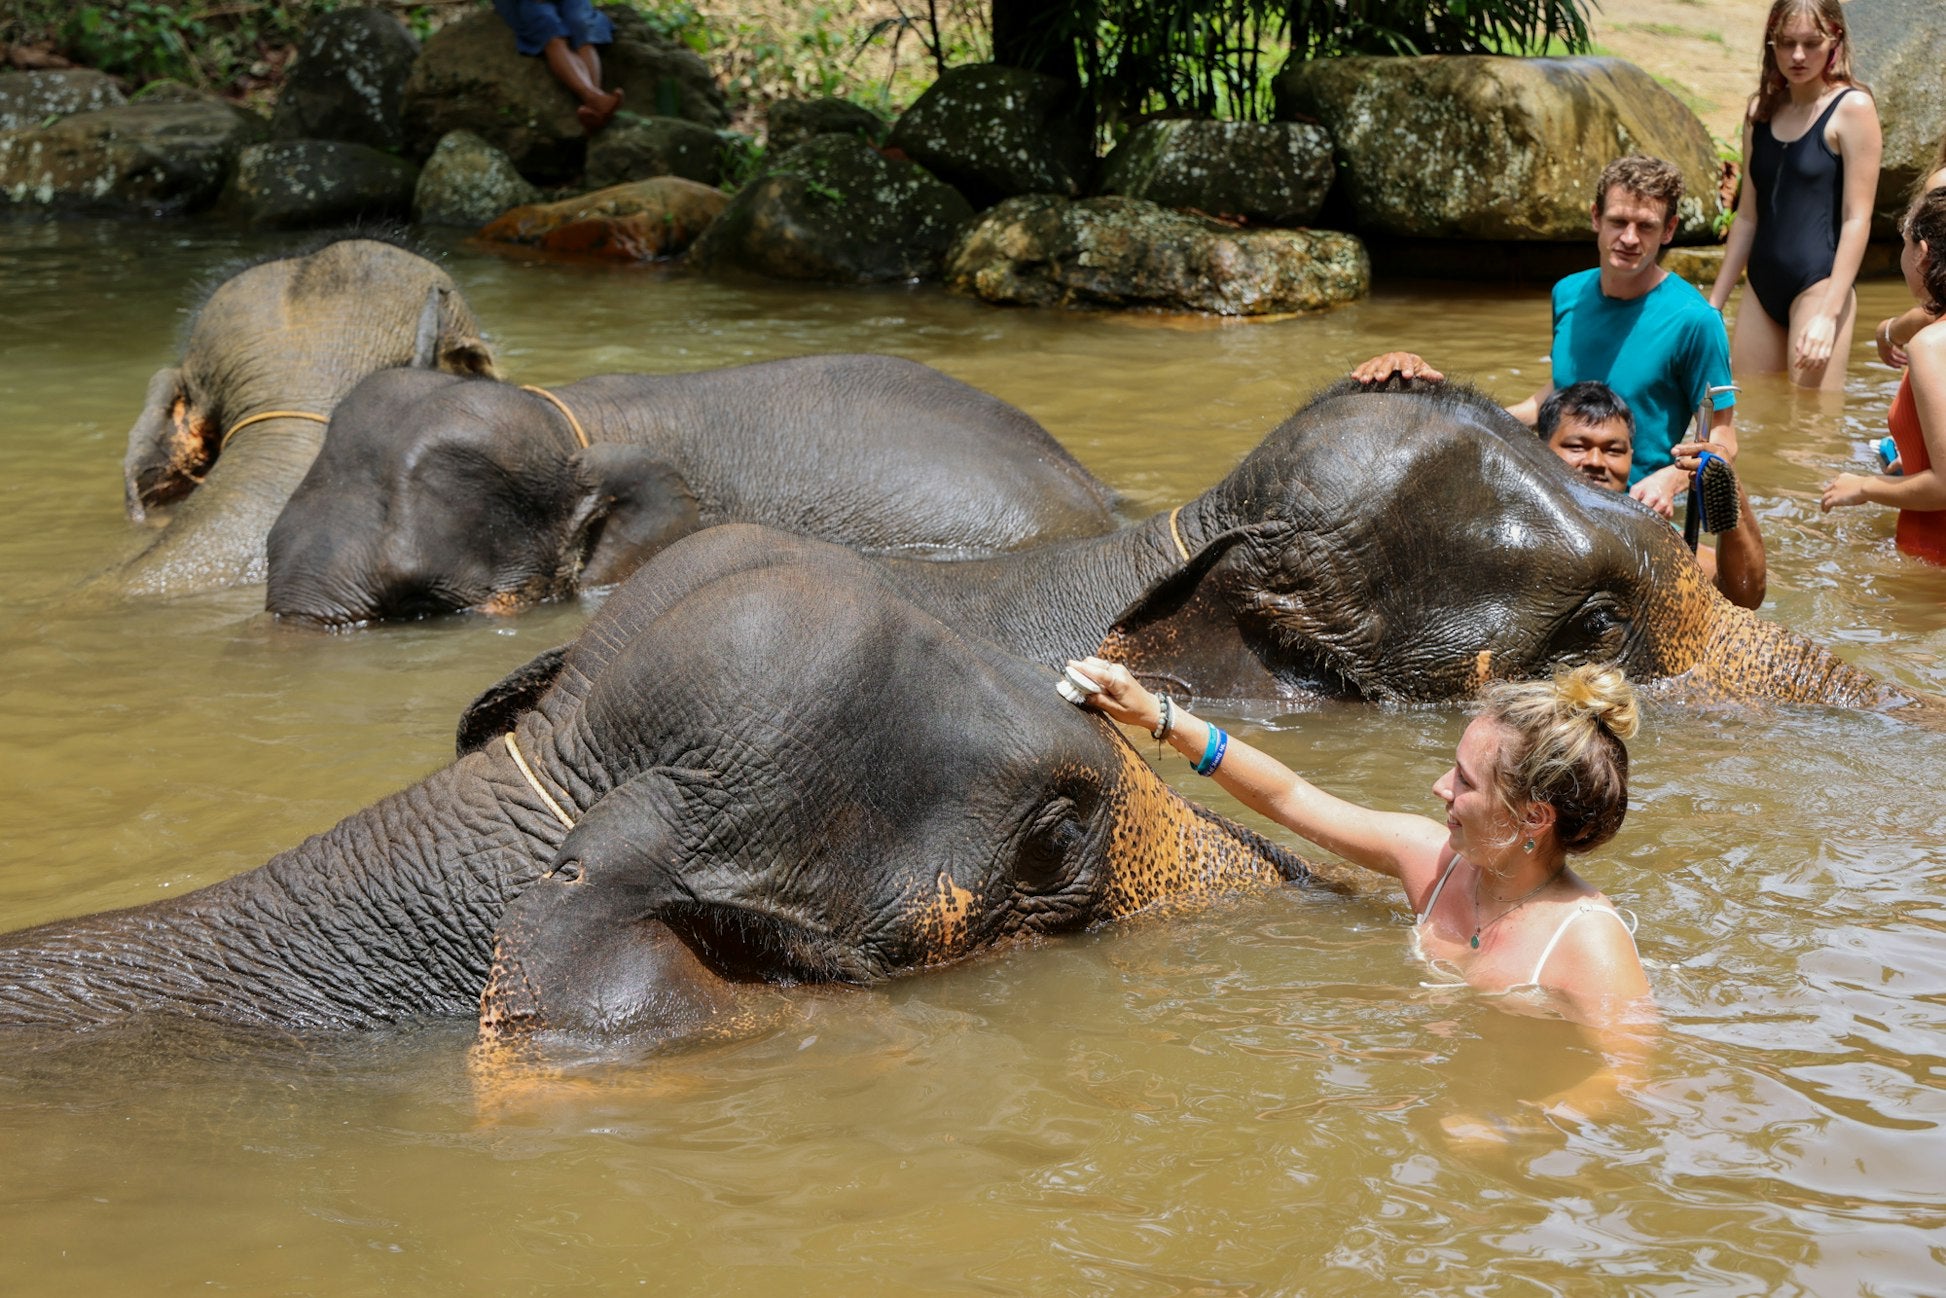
(1243, 1100)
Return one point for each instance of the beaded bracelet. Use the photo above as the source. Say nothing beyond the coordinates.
(1165, 718)
(1213, 750)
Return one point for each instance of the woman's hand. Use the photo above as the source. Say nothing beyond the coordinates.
(1122, 697)
(1889, 349)
(1814, 344)
(1845, 489)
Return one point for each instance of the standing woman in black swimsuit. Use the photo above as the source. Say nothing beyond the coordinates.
(1811, 147)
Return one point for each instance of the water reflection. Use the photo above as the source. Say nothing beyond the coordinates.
(1248, 1099)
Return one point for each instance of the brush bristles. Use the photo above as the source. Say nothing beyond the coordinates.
(1717, 484)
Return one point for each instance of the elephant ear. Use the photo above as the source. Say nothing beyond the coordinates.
(1191, 631)
(448, 338)
(170, 447)
(494, 711)
(631, 504)
(581, 951)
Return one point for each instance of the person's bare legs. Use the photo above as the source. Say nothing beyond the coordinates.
(580, 71)
(1757, 344)
(1829, 375)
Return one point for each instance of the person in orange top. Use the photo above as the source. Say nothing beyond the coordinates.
(1918, 418)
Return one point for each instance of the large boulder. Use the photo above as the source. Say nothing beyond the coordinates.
(636, 222)
(992, 132)
(30, 99)
(1899, 50)
(348, 80)
(639, 148)
(467, 182)
(1041, 250)
(150, 159)
(790, 122)
(1486, 147)
(1272, 173)
(285, 184)
(835, 209)
(469, 77)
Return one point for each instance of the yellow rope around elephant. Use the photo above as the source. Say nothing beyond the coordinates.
(561, 406)
(242, 424)
(1175, 534)
(535, 781)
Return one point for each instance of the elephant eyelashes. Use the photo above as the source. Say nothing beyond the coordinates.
(1056, 834)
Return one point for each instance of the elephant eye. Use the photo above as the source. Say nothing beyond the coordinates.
(1597, 628)
(1056, 834)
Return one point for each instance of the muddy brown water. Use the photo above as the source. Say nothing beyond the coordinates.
(1242, 1100)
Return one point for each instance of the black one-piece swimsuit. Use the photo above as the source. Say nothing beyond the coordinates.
(1800, 205)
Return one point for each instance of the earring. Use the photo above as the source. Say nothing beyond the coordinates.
(1528, 846)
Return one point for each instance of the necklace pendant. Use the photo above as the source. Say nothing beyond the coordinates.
(1476, 941)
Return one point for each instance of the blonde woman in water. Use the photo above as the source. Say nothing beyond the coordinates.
(1541, 774)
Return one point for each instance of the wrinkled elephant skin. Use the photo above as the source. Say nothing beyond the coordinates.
(1402, 546)
(435, 494)
(756, 767)
(226, 435)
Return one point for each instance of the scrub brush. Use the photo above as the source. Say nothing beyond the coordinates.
(1712, 498)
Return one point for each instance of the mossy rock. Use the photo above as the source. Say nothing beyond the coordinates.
(467, 182)
(791, 122)
(289, 184)
(29, 99)
(1485, 147)
(1899, 50)
(1272, 173)
(835, 209)
(992, 132)
(149, 159)
(639, 148)
(348, 80)
(1042, 250)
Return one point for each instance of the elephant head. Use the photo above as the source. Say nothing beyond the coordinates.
(834, 787)
(1410, 546)
(755, 767)
(432, 495)
(293, 333)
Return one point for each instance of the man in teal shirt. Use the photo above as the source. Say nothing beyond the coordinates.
(1632, 325)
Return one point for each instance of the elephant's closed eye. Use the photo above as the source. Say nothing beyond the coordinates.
(1052, 840)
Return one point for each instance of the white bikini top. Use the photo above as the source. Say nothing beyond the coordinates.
(1533, 983)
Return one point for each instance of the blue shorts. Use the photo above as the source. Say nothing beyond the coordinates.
(536, 22)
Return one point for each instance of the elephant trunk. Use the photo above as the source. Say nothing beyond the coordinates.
(1166, 848)
(1746, 657)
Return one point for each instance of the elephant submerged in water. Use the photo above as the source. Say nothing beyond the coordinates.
(226, 435)
(755, 766)
(436, 494)
(1394, 545)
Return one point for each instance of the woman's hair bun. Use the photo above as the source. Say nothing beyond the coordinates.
(1603, 692)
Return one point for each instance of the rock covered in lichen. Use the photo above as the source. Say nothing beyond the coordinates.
(1899, 50)
(639, 148)
(29, 100)
(837, 210)
(286, 184)
(1040, 250)
(347, 81)
(992, 132)
(1485, 147)
(790, 122)
(467, 182)
(470, 77)
(641, 221)
(1272, 173)
(150, 159)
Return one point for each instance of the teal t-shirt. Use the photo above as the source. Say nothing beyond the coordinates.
(1661, 352)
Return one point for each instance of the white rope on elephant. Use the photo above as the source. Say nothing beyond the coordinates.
(535, 781)
(242, 424)
(561, 406)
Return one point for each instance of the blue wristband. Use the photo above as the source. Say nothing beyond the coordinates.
(1213, 750)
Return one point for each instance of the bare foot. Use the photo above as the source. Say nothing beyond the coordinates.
(597, 112)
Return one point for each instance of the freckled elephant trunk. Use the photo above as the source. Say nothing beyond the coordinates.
(1743, 656)
(1166, 847)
